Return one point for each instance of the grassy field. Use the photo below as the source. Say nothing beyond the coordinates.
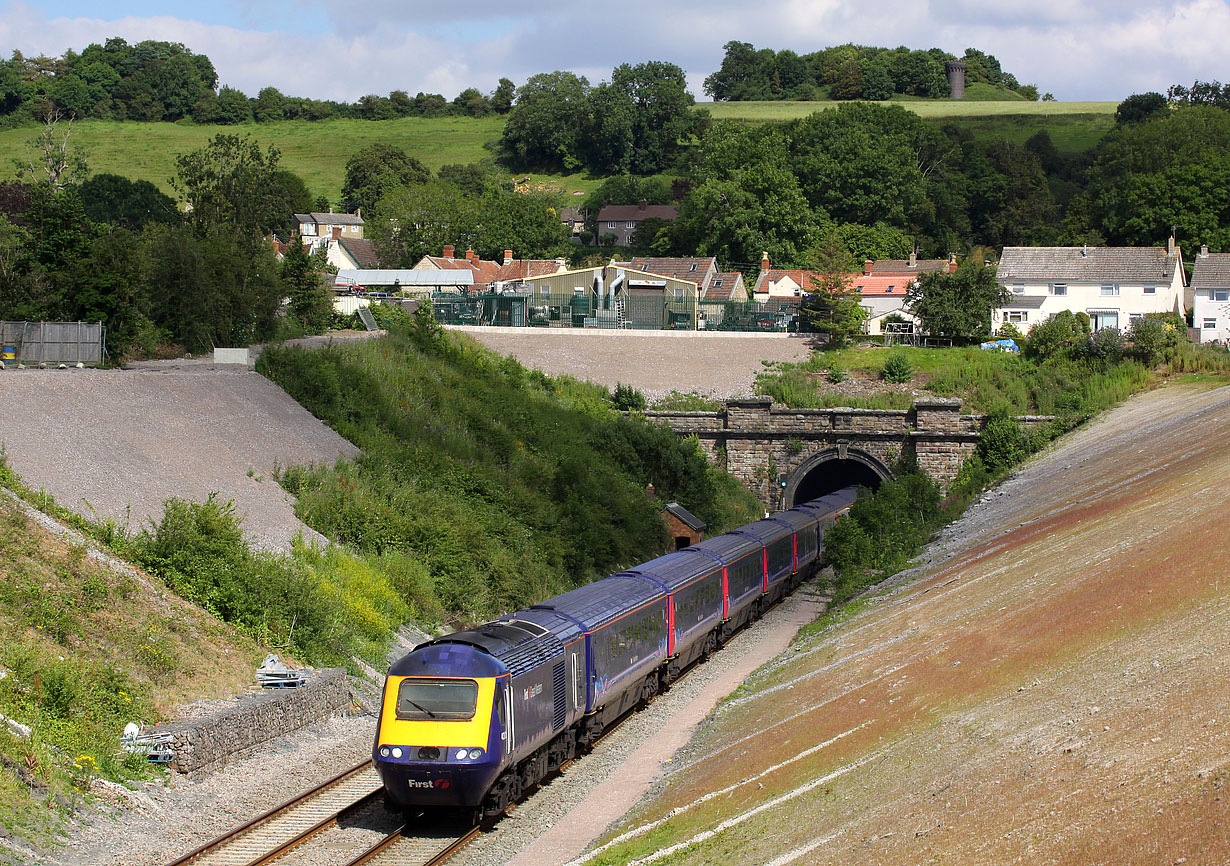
(317, 152)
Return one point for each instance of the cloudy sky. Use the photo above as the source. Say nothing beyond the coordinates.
(1076, 49)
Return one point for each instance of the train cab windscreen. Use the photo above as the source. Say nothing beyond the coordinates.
(429, 700)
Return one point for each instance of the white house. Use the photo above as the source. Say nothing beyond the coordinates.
(1113, 285)
(319, 228)
(1211, 296)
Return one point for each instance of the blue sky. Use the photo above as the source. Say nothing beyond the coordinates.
(1076, 49)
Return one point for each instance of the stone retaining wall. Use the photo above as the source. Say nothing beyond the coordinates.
(254, 719)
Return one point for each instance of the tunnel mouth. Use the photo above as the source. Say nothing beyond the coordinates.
(827, 476)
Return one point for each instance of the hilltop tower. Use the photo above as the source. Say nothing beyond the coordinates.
(955, 70)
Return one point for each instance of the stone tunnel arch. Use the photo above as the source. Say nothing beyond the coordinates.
(832, 469)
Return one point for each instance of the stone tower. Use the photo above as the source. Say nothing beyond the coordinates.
(955, 70)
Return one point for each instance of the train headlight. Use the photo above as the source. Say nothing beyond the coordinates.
(461, 754)
(475, 754)
(384, 751)
(397, 751)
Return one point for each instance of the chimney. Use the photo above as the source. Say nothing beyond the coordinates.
(914, 258)
(448, 251)
(337, 233)
(644, 204)
(561, 262)
(1204, 251)
(358, 212)
(952, 263)
(764, 261)
(1085, 251)
(508, 257)
(1170, 246)
(868, 267)
(471, 256)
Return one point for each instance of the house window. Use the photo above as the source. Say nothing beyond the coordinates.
(1150, 290)
(1210, 324)
(1110, 290)
(1100, 320)
(1219, 294)
(1018, 288)
(631, 224)
(544, 290)
(889, 290)
(1017, 316)
(611, 225)
(308, 228)
(717, 284)
(1132, 317)
(1059, 288)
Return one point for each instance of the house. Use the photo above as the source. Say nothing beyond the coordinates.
(726, 287)
(488, 275)
(698, 269)
(883, 286)
(774, 284)
(1113, 285)
(610, 296)
(352, 254)
(621, 220)
(1211, 296)
(684, 527)
(317, 229)
(399, 281)
(573, 219)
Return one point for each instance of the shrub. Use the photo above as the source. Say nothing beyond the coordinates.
(837, 374)
(1061, 332)
(1002, 443)
(625, 398)
(1104, 346)
(897, 368)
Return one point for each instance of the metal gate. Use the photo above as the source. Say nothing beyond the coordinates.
(52, 342)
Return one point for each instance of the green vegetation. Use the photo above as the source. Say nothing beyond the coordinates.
(692, 401)
(507, 486)
(937, 109)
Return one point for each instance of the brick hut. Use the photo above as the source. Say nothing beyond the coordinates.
(685, 527)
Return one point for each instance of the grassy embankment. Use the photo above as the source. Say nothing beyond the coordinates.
(83, 651)
(889, 528)
(507, 485)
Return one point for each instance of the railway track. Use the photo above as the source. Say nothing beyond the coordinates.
(282, 828)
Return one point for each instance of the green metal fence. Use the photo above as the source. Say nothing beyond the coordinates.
(772, 317)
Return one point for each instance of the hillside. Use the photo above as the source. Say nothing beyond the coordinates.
(1050, 688)
(86, 646)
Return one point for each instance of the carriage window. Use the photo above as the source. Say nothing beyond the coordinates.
(421, 699)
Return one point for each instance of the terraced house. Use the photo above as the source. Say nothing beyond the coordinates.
(1112, 285)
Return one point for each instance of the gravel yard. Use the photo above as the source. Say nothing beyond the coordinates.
(717, 365)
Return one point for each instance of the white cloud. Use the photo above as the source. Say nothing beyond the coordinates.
(1078, 49)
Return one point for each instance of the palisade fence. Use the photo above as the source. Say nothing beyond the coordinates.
(644, 312)
(52, 342)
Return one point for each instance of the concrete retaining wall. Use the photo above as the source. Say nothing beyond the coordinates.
(255, 719)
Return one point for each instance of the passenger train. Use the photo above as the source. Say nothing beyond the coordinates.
(472, 719)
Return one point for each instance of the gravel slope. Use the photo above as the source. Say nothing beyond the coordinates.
(117, 443)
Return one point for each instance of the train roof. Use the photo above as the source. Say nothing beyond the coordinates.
(728, 546)
(445, 659)
(677, 568)
(563, 627)
(604, 600)
(519, 644)
(830, 502)
(766, 531)
(796, 518)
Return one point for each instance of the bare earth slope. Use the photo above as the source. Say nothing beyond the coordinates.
(1053, 689)
(119, 442)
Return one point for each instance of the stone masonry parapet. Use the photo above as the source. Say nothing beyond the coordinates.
(255, 718)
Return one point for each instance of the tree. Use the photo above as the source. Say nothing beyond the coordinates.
(231, 183)
(472, 103)
(502, 96)
(303, 276)
(957, 305)
(375, 170)
(743, 74)
(832, 304)
(232, 107)
(1140, 107)
(291, 196)
(543, 126)
(268, 105)
(110, 286)
(109, 198)
(49, 160)
(661, 112)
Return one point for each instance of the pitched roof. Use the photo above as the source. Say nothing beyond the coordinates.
(690, 520)
(570, 214)
(723, 286)
(330, 219)
(484, 271)
(521, 269)
(635, 212)
(1024, 302)
(401, 277)
(692, 269)
(1212, 271)
(883, 284)
(363, 252)
(1086, 264)
(892, 267)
